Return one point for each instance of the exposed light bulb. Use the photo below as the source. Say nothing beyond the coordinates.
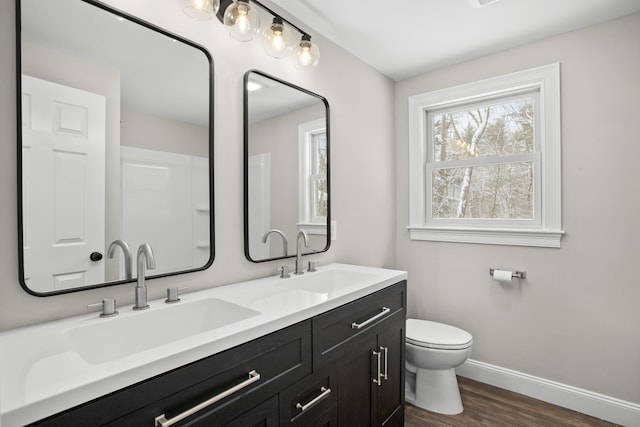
(202, 10)
(276, 39)
(243, 20)
(307, 54)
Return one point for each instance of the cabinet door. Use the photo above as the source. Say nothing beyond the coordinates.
(328, 418)
(355, 384)
(263, 415)
(390, 394)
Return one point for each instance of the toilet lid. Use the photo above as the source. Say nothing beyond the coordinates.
(425, 333)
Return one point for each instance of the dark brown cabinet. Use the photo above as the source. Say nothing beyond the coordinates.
(344, 367)
(355, 375)
(389, 395)
(365, 341)
(311, 401)
(280, 359)
(264, 415)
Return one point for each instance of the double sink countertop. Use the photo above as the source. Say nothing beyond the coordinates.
(53, 366)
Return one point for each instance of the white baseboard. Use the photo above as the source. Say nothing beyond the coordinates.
(590, 403)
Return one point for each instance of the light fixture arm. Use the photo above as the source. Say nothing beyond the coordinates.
(225, 3)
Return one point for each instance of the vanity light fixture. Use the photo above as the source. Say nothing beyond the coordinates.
(243, 20)
(307, 54)
(202, 10)
(276, 39)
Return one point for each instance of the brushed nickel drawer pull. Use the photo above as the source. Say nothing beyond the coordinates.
(384, 312)
(379, 374)
(385, 350)
(161, 421)
(325, 393)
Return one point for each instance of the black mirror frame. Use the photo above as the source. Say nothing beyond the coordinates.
(246, 163)
(20, 228)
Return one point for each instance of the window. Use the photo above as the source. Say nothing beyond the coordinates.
(313, 177)
(485, 161)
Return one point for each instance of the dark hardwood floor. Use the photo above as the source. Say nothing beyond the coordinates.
(485, 405)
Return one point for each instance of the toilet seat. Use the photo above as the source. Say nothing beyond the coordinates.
(424, 333)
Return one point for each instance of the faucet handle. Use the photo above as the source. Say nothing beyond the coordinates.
(172, 295)
(312, 266)
(284, 272)
(108, 307)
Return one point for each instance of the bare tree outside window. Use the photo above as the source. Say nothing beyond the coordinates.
(476, 175)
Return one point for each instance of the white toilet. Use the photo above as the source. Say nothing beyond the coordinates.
(433, 351)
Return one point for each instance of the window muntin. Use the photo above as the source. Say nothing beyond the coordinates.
(483, 160)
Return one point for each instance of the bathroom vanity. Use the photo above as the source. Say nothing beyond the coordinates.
(325, 348)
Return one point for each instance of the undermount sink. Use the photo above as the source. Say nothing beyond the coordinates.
(326, 282)
(111, 339)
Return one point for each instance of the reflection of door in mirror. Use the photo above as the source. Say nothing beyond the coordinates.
(288, 126)
(152, 183)
(63, 145)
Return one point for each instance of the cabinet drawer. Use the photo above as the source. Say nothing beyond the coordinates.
(310, 400)
(335, 331)
(280, 359)
(265, 414)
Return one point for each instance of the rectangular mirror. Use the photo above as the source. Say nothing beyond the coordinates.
(286, 164)
(114, 145)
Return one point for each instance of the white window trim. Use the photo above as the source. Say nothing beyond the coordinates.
(546, 80)
(305, 210)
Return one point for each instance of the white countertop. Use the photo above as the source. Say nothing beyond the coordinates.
(41, 374)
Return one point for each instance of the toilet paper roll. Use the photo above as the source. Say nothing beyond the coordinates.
(503, 276)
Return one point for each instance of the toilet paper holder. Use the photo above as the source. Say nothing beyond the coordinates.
(514, 274)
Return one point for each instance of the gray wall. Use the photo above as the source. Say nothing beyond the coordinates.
(143, 130)
(575, 319)
(361, 104)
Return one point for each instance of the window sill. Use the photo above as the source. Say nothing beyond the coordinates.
(310, 228)
(488, 236)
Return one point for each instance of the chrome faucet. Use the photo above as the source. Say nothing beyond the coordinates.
(303, 235)
(145, 256)
(284, 239)
(126, 253)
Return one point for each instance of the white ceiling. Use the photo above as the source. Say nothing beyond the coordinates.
(403, 38)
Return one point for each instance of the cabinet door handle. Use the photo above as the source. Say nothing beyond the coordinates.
(161, 421)
(325, 392)
(379, 374)
(384, 312)
(385, 350)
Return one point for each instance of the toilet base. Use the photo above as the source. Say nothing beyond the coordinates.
(436, 390)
